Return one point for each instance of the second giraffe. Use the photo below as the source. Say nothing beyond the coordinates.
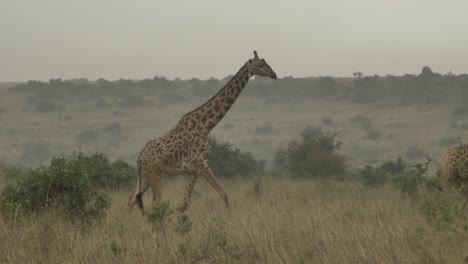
(185, 149)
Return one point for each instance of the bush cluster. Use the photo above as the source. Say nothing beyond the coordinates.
(228, 161)
(73, 184)
(315, 155)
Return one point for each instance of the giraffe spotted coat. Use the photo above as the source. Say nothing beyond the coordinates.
(185, 149)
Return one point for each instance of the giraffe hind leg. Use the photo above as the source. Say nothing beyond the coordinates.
(188, 193)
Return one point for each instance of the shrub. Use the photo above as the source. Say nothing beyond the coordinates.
(132, 101)
(413, 179)
(159, 212)
(363, 121)
(373, 176)
(264, 129)
(227, 161)
(394, 167)
(327, 121)
(315, 155)
(64, 184)
(104, 174)
(442, 210)
(46, 106)
(372, 134)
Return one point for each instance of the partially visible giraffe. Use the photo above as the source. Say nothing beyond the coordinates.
(185, 148)
(454, 169)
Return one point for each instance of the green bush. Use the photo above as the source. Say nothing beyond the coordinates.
(413, 179)
(227, 161)
(103, 173)
(65, 184)
(381, 174)
(315, 155)
(371, 176)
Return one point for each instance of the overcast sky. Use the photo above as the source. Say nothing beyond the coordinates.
(44, 39)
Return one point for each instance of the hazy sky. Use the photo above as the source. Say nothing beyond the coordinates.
(43, 39)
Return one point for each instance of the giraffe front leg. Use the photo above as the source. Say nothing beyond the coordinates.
(203, 168)
(188, 193)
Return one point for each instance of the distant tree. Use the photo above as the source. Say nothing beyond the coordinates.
(357, 75)
(426, 72)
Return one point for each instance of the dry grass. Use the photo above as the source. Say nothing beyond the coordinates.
(273, 220)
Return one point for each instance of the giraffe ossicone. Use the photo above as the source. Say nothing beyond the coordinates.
(185, 149)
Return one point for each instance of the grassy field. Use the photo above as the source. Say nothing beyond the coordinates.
(371, 132)
(273, 220)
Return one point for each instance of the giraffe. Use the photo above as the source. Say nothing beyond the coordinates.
(185, 149)
(454, 170)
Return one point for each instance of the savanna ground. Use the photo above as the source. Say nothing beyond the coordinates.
(112, 123)
(272, 220)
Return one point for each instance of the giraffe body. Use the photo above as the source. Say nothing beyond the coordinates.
(185, 149)
(454, 169)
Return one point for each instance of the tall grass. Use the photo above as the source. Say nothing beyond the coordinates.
(272, 220)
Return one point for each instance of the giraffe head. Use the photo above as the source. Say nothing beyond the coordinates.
(260, 67)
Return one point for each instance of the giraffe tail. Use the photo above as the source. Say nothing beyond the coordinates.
(139, 195)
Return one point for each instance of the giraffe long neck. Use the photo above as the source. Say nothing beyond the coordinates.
(208, 115)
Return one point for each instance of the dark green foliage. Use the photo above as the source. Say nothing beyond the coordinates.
(65, 184)
(371, 176)
(227, 161)
(159, 212)
(394, 167)
(427, 87)
(380, 175)
(314, 156)
(413, 179)
(105, 174)
(442, 209)
(11, 172)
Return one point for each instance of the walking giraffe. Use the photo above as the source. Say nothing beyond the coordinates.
(454, 170)
(185, 148)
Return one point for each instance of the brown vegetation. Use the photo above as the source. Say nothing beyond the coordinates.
(273, 220)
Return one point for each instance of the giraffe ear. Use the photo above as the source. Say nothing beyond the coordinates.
(255, 55)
